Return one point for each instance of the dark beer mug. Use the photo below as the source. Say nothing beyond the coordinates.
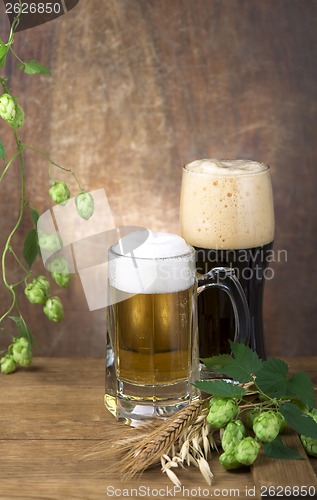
(227, 215)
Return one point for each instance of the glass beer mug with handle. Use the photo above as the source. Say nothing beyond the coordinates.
(227, 215)
(152, 338)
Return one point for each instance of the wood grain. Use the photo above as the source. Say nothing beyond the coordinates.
(284, 473)
(53, 415)
(141, 87)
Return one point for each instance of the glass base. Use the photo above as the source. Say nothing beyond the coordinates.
(139, 405)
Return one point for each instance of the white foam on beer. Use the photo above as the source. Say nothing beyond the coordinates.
(163, 263)
(227, 204)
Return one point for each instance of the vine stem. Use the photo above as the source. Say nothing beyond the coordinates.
(7, 247)
(9, 164)
(18, 261)
(45, 155)
(16, 55)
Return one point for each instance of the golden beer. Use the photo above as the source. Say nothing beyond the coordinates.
(153, 337)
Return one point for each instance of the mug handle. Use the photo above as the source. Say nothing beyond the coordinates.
(225, 279)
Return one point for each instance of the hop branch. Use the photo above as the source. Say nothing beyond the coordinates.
(37, 288)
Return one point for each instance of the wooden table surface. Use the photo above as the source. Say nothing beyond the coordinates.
(53, 412)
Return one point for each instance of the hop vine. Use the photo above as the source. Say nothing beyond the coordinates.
(37, 289)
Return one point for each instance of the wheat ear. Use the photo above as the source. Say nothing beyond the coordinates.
(148, 452)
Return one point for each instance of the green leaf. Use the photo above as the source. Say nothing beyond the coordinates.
(277, 449)
(2, 151)
(3, 53)
(244, 364)
(246, 357)
(301, 387)
(35, 216)
(22, 328)
(220, 388)
(218, 364)
(272, 378)
(299, 421)
(31, 247)
(33, 68)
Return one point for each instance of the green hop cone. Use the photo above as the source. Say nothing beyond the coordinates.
(221, 411)
(283, 423)
(7, 364)
(59, 265)
(62, 279)
(59, 193)
(7, 108)
(85, 205)
(251, 415)
(233, 434)
(247, 450)
(21, 352)
(35, 294)
(228, 459)
(266, 426)
(50, 242)
(19, 118)
(42, 282)
(310, 444)
(54, 310)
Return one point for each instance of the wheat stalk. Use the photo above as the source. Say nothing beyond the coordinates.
(184, 438)
(155, 444)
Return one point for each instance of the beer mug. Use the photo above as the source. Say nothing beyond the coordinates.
(152, 338)
(227, 215)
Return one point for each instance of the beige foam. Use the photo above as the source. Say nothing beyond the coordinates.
(227, 204)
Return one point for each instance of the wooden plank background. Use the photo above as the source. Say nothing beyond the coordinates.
(141, 87)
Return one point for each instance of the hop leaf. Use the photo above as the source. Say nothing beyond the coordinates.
(276, 449)
(303, 423)
(220, 388)
(3, 53)
(31, 247)
(33, 68)
(2, 151)
(244, 364)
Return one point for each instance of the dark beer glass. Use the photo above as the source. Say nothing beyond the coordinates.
(227, 215)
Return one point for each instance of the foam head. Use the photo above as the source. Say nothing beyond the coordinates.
(227, 204)
(161, 263)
